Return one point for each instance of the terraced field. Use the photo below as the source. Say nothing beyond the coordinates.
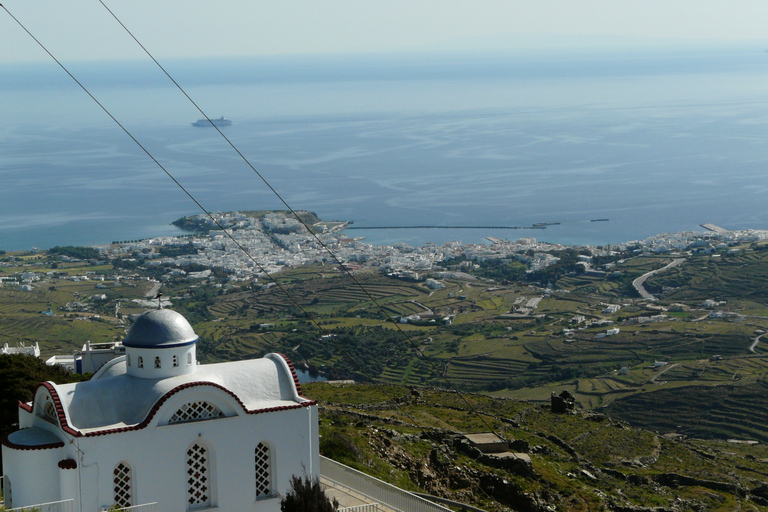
(324, 296)
(482, 335)
(22, 321)
(718, 412)
(739, 275)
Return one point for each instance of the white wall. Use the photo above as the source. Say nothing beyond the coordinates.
(157, 456)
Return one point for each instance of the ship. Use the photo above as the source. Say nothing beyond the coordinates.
(222, 121)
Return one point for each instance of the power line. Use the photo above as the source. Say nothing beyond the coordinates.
(213, 219)
(415, 346)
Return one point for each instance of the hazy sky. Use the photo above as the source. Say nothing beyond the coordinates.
(83, 30)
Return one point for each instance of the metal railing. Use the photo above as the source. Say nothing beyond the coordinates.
(51, 506)
(144, 507)
(375, 489)
(370, 507)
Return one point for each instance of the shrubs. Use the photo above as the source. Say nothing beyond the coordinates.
(307, 495)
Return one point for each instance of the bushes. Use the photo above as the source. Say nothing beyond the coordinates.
(307, 495)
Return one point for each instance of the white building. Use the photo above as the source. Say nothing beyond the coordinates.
(154, 426)
(32, 350)
(434, 284)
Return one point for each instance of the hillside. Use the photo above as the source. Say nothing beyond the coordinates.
(579, 461)
(660, 364)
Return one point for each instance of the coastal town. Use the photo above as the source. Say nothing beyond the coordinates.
(252, 245)
(276, 240)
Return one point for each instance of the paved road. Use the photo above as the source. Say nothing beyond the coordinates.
(152, 293)
(638, 283)
(754, 343)
(664, 370)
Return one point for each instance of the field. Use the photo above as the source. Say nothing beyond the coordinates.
(514, 340)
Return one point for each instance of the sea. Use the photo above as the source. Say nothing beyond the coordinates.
(653, 140)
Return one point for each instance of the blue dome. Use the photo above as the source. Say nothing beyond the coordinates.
(160, 328)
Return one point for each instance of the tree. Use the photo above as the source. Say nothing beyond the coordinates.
(19, 376)
(307, 495)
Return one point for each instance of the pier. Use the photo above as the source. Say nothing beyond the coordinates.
(712, 227)
(446, 227)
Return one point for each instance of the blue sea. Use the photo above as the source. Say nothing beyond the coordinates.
(656, 141)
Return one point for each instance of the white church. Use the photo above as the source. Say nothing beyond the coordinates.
(153, 426)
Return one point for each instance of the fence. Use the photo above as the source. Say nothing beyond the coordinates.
(376, 490)
(51, 506)
(371, 507)
(144, 507)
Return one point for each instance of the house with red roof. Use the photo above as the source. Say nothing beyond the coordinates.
(155, 427)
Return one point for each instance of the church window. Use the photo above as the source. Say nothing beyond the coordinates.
(262, 471)
(189, 358)
(198, 477)
(123, 492)
(175, 361)
(50, 411)
(128, 359)
(196, 411)
(157, 362)
(141, 362)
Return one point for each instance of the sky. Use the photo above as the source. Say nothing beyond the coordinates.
(83, 29)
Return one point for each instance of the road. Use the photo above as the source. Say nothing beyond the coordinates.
(152, 293)
(662, 372)
(638, 283)
(754, 343)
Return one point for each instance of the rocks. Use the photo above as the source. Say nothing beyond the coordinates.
(562, 403)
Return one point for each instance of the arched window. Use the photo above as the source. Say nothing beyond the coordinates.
(196, 411)
(198, 477)
(123, 485)
(157, 362)
(141, 362)
(50, 412)
(128, 359)
(263, 471)
(175, 360)
(189, 358)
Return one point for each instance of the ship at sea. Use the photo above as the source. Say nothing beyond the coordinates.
(222, 121)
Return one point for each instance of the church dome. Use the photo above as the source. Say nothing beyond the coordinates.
(160, 328)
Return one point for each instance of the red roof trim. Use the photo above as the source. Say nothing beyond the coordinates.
(26, 407)
(69, 430)
(67, 464)
(10, 444)
(59, 408)
(293, 373)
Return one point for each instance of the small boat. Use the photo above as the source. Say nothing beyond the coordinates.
(222, 121)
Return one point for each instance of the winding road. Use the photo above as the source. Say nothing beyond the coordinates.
(754, 343)
(638, 283)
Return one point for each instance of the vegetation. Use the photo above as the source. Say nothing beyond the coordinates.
(19, 377)
(307, 495)
(679, 365)
(414, 438)
(83, 253)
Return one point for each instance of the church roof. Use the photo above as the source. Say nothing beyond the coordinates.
(33, 439)
(114, 401)
(160, 328)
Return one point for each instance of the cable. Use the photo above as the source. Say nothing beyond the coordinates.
(210, 216)
(413, 344)
(415, 347)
